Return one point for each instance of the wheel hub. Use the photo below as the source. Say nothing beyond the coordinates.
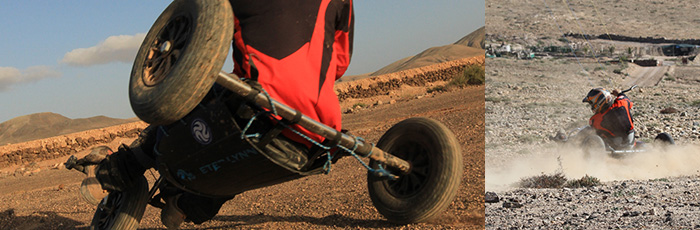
(413, 181)
(166, 50)
(165, 47)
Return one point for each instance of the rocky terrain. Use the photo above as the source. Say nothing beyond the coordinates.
(528, 101)
(627, 204)
(532, 21)
(39, 194)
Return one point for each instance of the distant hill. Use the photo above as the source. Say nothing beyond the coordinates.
(43, 125)
(468, 46)
(475, 39)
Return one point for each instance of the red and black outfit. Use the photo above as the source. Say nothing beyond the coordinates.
(295, 50)
(615, 122)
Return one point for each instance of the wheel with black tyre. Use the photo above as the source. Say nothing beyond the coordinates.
(179, 59)
(433, 180)
(90, 188)
(592, 145)
(122, 210)
(664, 138)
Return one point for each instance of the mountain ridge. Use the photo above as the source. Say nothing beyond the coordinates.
(47, 124)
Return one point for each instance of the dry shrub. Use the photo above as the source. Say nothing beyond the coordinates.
(556, 180)
(472, 75)
(585, 181)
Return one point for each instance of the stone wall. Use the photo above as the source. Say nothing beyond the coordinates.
(55, 147)
(414, 77)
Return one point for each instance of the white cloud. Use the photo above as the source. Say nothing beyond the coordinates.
(120, 48)
(10, 75)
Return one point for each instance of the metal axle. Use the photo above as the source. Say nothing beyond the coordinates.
(233, 83)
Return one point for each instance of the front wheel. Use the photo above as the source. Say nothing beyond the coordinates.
(179, 59)
(433, 180)
(592, 145)
(122, 210)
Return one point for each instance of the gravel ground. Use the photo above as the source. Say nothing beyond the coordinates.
(527, 101)
(672, 203)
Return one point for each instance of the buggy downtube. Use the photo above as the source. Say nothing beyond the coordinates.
(233, 83)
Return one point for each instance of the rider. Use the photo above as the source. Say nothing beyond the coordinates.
(295, 51)
(612, 120)
(296, 63)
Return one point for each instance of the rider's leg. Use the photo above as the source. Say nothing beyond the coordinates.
(190, 207)
(623, 142)
(629, 140)
(199, 209)
(287, 152)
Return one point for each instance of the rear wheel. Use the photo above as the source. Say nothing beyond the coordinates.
(122, 210)
(179, 59)
(664, 138)
(436, 170)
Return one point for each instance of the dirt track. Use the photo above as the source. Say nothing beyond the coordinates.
(647, 76)
(49, 199)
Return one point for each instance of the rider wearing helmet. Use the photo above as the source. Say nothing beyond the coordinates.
(612, 120)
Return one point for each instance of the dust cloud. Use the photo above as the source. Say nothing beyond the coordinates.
(658, 162)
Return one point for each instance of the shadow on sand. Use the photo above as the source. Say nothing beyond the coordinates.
(37, 220)
(331, 221)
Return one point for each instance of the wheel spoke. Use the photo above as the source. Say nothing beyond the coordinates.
(157, 61)
(179, 41)
(152, 52)
(155, 69)
(179, 38)
(420, 161)
(410, 155)
(175, 54)
(416, 154)
(171, 31)
(167, 63)
(404, 189)
(181, 28)
(158, 72)
(419, 172)
(413, 181)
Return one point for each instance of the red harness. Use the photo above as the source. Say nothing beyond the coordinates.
(614, 119)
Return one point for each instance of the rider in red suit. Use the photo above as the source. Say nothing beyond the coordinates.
(295, 50)
(612, 119)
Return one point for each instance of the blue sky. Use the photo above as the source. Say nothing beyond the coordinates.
(74, 57)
